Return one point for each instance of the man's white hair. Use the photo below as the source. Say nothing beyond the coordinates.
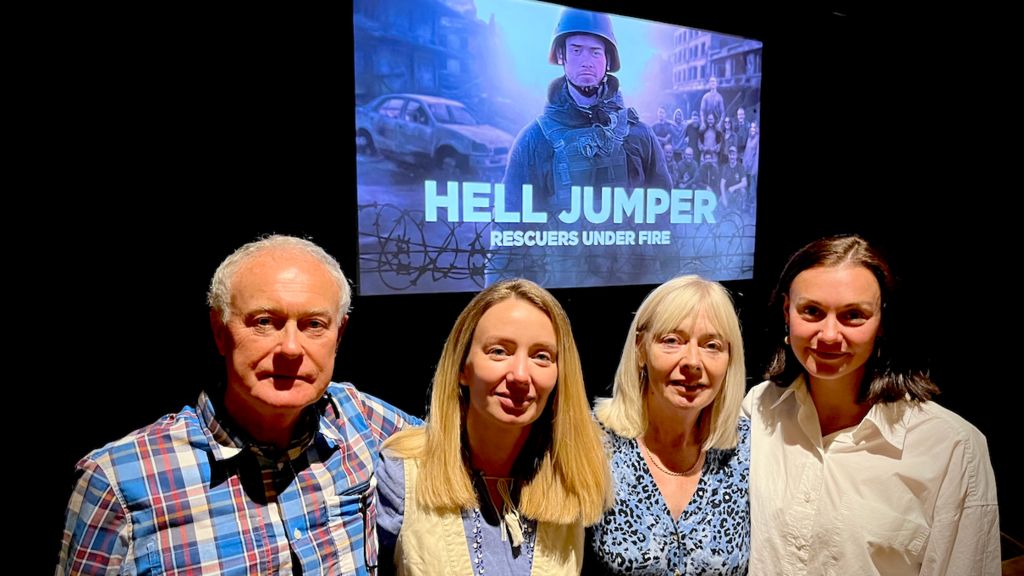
(219, 295)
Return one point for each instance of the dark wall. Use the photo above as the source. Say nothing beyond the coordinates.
(215, 129)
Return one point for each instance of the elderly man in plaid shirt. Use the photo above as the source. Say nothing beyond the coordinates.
(270, 473)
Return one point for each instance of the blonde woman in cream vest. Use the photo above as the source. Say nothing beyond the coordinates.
(510, 466)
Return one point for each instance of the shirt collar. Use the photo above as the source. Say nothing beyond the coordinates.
(788, 392)
(330, 418)
(889, 419)
(226, 439)
(223, 443)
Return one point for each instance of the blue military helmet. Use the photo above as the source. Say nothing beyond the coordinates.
(574, 21)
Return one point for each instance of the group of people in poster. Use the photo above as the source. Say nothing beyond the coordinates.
(712, 151)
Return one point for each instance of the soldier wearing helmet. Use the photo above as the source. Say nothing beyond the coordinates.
(586, 135)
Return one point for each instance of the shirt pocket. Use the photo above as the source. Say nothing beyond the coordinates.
(347, 532)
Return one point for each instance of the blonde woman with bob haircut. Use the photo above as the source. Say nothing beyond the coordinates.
(510, 466)
(679, 449)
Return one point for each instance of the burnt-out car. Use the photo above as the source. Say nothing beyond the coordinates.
(431, 133)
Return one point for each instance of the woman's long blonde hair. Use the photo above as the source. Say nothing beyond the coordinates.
(571, 482)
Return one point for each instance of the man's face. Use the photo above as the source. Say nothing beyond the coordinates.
(585, 60)
(688, 153)
(282, 334)
(713, 84)
(741, 115)
(661, 114)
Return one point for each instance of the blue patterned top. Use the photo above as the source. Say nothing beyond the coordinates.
(638, 536)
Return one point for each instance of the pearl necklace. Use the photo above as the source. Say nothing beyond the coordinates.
(700, 455)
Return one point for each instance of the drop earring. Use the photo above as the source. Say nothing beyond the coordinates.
(786, 338)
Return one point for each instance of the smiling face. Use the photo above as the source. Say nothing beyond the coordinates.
(686, 366)
(511, 367)
(834, 315)
(585, 60)
(281, 336)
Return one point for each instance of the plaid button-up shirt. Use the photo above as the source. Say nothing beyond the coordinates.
(189, 495)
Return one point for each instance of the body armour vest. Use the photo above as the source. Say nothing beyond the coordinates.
(588, 156)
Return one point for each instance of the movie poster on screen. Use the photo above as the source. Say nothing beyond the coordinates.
(478, 157)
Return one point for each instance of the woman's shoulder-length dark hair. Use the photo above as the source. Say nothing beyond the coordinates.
(892, 374)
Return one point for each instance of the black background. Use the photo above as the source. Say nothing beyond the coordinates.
(173, 138)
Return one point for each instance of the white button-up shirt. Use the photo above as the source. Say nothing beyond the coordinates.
(909, 490)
